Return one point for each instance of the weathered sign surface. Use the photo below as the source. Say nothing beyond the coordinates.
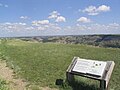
(90, 67)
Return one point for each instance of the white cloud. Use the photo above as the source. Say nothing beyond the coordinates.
(99, 27)
(57, 17)
(45, 25)
(84, 20)
(114, 24)
(53, 29)
(23, 17)
(103, 8)
(40, 22)
(43, 22)
(93, 10)
(10, 27)
(48, 27)
(29, 28)
(80, 29)
(14, 24)
(41, 28)
(54, 15)
(3, 5)
(60, 19)
(6, 6)
(22, 24)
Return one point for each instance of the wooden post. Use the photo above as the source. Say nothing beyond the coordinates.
(102, 85)
(109, 73)
(105, 81)
(70, 77)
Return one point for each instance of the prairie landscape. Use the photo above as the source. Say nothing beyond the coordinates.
(41, 64)
(40, 38)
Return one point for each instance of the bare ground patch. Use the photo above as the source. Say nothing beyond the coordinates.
(16, 83)
(8, 75)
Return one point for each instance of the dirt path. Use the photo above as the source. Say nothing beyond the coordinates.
(8, 75)
(16, 84)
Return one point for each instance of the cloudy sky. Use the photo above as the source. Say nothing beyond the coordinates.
(59, 17)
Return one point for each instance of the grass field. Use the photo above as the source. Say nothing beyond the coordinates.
(3, 85)
(43, 63)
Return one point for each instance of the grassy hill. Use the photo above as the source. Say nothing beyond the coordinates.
(43, 63)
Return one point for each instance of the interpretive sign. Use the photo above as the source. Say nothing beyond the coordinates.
(90, 67)
(94, 69)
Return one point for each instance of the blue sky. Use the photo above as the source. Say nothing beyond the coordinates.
(59, 17)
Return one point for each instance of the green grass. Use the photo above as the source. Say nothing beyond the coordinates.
(43, 63)
(3, 85)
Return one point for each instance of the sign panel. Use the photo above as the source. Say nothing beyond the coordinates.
(90, 67)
